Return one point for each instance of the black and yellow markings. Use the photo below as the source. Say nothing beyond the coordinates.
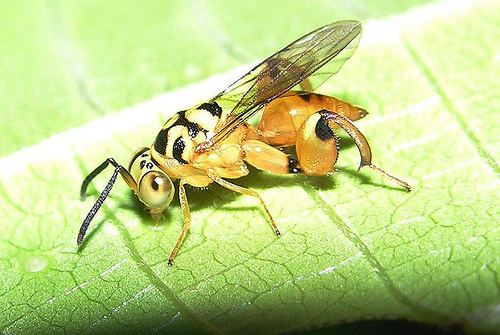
(206, 115)
(322, 129)
(179, 143)
(178, 150)
(141, 163)
(160, 144)
(185, 127)
(212, 107)
(317, 125)
(142, 152)
(181, 120)
(178, 129)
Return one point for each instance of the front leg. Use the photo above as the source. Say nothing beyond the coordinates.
(104, 194)
(187, 221)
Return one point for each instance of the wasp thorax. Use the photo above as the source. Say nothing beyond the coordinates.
(156, 190)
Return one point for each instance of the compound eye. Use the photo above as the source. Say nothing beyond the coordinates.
(156, 190)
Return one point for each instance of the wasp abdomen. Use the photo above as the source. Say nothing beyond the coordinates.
(283, 117)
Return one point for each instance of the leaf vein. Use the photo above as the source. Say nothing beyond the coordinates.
(379, 270)
(449, 105)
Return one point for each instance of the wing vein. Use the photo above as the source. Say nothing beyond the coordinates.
(281, 72)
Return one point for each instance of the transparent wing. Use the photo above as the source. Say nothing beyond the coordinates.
(323, 74)
(332, 44)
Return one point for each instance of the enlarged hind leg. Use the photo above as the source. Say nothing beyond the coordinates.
(317, 145)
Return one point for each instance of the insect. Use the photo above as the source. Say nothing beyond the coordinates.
(214, 141)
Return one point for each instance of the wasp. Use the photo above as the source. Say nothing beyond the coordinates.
(213, 142)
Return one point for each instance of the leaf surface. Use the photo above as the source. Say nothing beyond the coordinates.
(353, 246)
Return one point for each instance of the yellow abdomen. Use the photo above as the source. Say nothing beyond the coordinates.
(283, 116)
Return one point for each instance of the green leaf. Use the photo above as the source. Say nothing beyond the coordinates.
(353, 246)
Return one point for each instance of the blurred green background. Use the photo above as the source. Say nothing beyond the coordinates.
(427, 71)
(67, 62)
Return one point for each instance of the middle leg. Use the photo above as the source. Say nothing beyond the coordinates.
(268, 158)
(242, 190)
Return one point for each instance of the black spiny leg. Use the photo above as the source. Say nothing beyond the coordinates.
(104, 194)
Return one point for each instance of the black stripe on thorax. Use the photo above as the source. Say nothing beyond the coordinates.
(193, 128)
(178, 149)
(160, 144)
(212, 107)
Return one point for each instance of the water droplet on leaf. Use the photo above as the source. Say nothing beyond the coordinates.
(35, 263)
